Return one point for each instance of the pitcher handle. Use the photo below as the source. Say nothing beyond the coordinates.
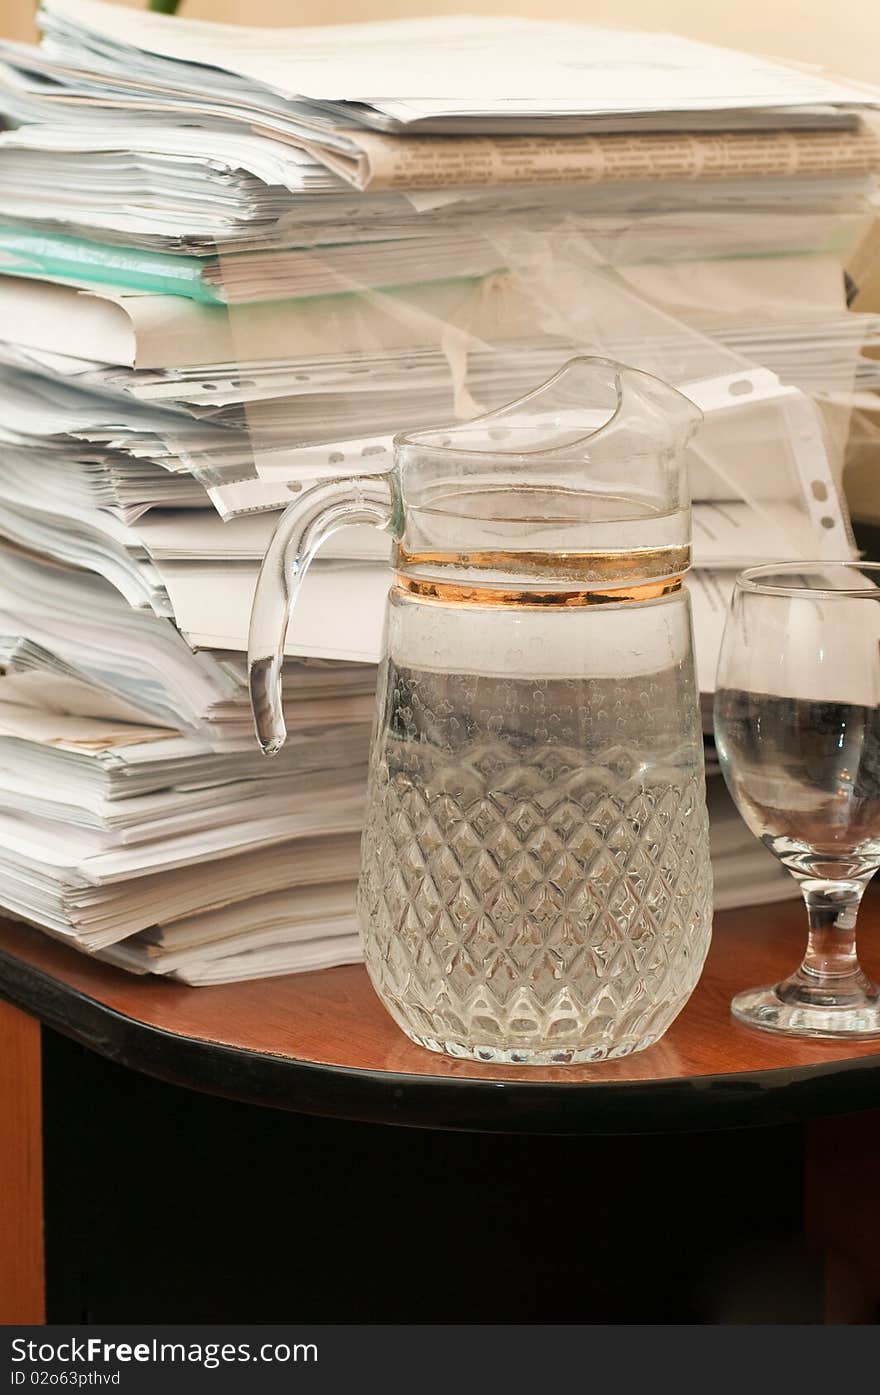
(302, 529)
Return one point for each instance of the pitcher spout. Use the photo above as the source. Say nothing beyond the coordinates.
(581, 412)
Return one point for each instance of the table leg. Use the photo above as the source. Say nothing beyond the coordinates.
(842, 1212)
(22, 1276)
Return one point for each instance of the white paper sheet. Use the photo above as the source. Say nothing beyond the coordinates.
(161, 331)
(339, 616)
(442, 65)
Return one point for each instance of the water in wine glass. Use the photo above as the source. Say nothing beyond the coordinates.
(806, 777)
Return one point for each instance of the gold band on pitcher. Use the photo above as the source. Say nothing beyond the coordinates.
(455, 593)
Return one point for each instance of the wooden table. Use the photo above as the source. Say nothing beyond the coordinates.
(321, 1045)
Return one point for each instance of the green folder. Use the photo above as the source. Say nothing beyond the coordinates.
(62, 258)
(58, 257)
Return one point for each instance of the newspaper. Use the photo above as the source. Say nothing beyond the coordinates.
(444, 162)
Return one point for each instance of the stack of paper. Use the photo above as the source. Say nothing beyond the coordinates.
(233, 262)
(334, 83)
(310, 927)
(111, 828)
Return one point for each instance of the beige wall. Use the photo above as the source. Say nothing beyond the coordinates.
(843, 34)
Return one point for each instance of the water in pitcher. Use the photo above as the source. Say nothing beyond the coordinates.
(535, 876)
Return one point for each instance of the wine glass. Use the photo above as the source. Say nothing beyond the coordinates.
(797, 726)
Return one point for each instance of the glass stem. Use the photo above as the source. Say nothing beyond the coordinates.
(832, 911)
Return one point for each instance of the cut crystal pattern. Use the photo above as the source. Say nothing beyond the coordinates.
(534, 903)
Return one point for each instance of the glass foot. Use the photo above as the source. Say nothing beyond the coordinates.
(803, 1008)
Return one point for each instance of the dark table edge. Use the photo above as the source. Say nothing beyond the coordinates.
(741, 1100)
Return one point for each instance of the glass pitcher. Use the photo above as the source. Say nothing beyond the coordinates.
(535, 881)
